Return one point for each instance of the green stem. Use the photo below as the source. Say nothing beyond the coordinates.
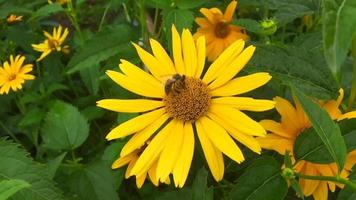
(73, 18)
(104, 15)
(143, 21)
(336, 179)
(9, 133)
(353, 86)
(155, 22)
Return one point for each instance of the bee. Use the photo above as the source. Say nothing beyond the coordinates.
(176, 84)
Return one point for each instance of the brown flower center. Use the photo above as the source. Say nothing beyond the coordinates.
(222, 30)
(53, 44)
(12, 77)
(187, 98)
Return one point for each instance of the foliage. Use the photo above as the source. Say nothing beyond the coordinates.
(52, 135)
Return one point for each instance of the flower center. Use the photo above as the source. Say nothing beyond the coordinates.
(12, 77)
(53, 44)
(187, 98)
(222, 29)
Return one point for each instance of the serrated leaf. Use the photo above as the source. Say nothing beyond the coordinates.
(327, 130)
(305, 69)
(339, 26)
(10, 187)
(291, 10)
(94, 182)
(101, 47)
(46, 10)
(187, 4)
(15, 164)
(64, 128)
(54, 164)
(261, 180)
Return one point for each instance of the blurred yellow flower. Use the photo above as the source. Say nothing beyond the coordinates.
(218, 30)
(13, 18)
(13, 74)
(282, 135)
(180, 99)
(58, 1)
(52, 43)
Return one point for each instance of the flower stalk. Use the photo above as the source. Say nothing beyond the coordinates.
(336, 179)
(353, 86)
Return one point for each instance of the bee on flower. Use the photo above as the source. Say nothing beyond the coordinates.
(52, 42)
(13, 19)
(179, 100)
(14, 73)
(282, 135)
(218, 29)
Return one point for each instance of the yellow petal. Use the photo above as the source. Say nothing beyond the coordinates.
(201, 56)
(244, 139)
(189, 53)
(130, 166)
(170, 152)
(325, 170)
(208, 14)
(138, 74)
(309, 186)
(349, 115)
(221, 140)
(130, 105)
(140, 180)
(245, 103)
(238, 120)
(288, 114)
(136, 124)
(177, 51)
(212, 155)
(242, 84)
(152, 151)
(161, 55)
(135, 85)
(277, 128)
(182, 166)
(321, 193)
(223, 60)
(123, 161)
(229, 12)
(152, 174)
(141, 137)
(276, 143)
(152, 63)
(233, 68)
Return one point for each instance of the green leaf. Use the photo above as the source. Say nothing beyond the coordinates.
(15, 164)
(101, 47)
(10, 187)
(261, 180)
(296, 187)
(339, 26)
(94, 182)
(32, 116)
(64, 128)
(325, 127)
(305, 69)
(90, 78)
(187, 4)
(200, 185)
(249, 24)
(54, 164)
(291, 10)
(181, 18)
(46, 11)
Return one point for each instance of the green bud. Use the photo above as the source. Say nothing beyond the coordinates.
(288, 173)
(269, 26)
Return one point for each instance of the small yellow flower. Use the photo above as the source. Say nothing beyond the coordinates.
(58, 1)
(218, 30)
(131, 159)
(52, 43)
(13, 74)
(13, 18)
(180, 100)
(282, 135)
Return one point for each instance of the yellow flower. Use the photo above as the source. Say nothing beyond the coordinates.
(13, 74)
(179, 100)
(13, 18)
(58, 1)
(282, 135)
(52, 43)
(218, 30)
(131, 159)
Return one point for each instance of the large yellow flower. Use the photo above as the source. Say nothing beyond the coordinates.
(282, 135)
(13, 74)
(179, 100)
(53, 42)
(218, 30)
